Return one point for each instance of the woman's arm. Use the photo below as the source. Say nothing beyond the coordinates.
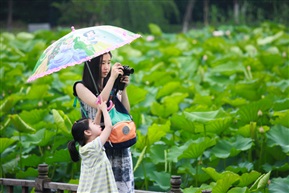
(86, 95)
(89, 98)
(116, 70)
(124, 96)
(105, 93)
(124, 100)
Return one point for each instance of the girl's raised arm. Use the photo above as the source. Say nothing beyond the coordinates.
(97, 117)
(107, 122)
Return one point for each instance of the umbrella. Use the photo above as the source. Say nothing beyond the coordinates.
(79, 46)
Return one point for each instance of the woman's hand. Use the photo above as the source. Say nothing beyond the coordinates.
(125, 80)
(117, 69)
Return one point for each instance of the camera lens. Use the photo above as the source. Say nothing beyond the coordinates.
(127, 70)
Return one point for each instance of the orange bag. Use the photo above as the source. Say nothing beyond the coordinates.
(123, 134)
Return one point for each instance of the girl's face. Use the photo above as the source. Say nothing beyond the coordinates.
(105, 65)
(95, 129)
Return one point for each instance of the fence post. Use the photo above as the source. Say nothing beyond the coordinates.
(175, 184)
(42, 179)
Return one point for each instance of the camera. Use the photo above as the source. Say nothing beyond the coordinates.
(126, 72)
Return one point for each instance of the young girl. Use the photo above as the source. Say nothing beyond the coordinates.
(95, 174)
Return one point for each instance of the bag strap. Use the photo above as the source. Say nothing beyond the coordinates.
(83, 111)
(117, 103)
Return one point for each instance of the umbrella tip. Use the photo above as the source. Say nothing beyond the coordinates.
(72, 28)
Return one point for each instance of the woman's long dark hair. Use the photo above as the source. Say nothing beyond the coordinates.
(77, 131)
(95, 68)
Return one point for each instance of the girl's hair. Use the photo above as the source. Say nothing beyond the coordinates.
(95, 68)
(77, 131)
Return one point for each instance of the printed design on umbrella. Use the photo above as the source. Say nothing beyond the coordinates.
(66, 53)
(79, 46)
(92, 38)
(103, 40)
(43, 59)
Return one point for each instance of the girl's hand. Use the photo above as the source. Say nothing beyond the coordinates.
(103, 106)
(116, 70)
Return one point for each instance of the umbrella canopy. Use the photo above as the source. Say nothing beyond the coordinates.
(79, 46)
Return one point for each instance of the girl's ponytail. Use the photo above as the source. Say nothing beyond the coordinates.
(73, 151)
(77, 132)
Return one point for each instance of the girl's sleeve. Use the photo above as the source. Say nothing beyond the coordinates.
(97, 143)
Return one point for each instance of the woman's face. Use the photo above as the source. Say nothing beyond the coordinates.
(105, 65)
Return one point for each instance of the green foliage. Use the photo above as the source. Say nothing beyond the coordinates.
(213, 109)
(280, 185)
(127, 14)
(278, 136)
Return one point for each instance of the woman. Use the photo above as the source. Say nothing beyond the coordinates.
(102, 83)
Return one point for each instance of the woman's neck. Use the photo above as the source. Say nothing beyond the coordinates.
(101, 84)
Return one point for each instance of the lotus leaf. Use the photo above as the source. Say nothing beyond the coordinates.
(279, 185)
(278, 136)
